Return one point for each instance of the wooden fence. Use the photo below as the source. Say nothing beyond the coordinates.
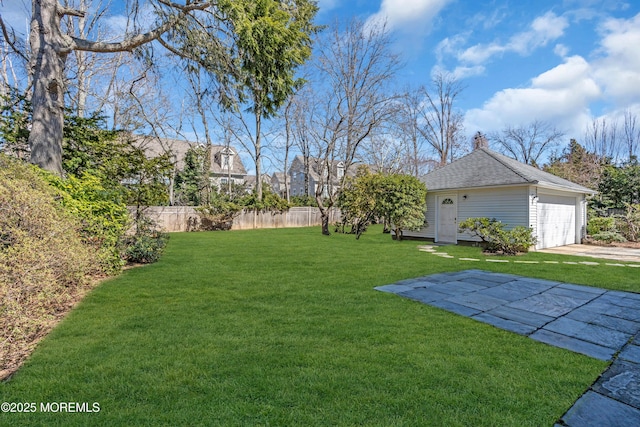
(182, 218)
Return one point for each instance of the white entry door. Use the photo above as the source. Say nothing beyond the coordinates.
(447, 219)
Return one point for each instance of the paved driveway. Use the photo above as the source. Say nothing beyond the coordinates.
(604, 252)
(597, 322)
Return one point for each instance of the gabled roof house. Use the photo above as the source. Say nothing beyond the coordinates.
(487, 184)
(226, 164)
(316, 176)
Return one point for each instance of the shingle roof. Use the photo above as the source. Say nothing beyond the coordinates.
(486, 168)
(156, 146)
(279, 176)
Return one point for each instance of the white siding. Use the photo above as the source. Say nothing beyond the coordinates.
(533, 209)
(512, 206)
(509, 205)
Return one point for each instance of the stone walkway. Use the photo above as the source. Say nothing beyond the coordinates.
(599, 323)
(622, 257)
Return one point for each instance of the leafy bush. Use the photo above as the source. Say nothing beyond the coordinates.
(496, 238)
(359, 202)
(609, 237)
(629, 223)
(219, 214)
(597, 225)
(403, 203)
(146, 245)
(396, 199)
(223, 208)
(15, 117)
(45, 265)
(270, 202)
(304, 201)
(104, 220)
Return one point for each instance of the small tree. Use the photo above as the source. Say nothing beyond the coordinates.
(359, 201)
(577, 165)
(351, 101)
(629, 223)
(620, 185)
(403, 202)
(189, 181)
(272, 39)
(397, 199)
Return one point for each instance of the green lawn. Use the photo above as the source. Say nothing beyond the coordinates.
(283, 327)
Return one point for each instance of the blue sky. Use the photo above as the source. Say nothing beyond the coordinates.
(563, 61)
(566, 61)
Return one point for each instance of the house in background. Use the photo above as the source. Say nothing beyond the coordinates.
(278, 184)
(487, 184)
(317, 172)
(250, 181)
(226, 164)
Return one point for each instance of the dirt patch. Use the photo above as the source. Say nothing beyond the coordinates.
(14, 353)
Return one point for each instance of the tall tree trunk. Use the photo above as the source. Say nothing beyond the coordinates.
(258, 154)
(50, 48)
(47, 65)
(205, 180)
(324, 217)
(306, 174)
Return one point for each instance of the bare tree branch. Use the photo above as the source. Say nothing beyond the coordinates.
(10, 39)
(440, 124)
(135, 41)
(528, 143)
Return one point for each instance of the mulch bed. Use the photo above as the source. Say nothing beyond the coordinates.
(632, 245)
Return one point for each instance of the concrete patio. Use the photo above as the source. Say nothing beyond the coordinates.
(596, 322)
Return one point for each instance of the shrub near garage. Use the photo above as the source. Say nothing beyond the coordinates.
(44, 264)
(397, 199)
(496, 238)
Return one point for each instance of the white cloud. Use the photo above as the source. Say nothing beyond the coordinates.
(561, 96)
(543, 30)
(449, 46)
(573, 70)
(327, 5)
(488, 21)
(116, 26)
(618, 67)
(566, 94)
(480, 53)
(561, 50)
(462, 72)
(408, 14)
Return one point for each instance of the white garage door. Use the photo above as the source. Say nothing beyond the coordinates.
(556, 221)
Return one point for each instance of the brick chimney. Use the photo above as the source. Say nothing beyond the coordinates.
(480, 141)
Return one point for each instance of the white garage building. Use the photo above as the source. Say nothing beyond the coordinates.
(487, 184)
